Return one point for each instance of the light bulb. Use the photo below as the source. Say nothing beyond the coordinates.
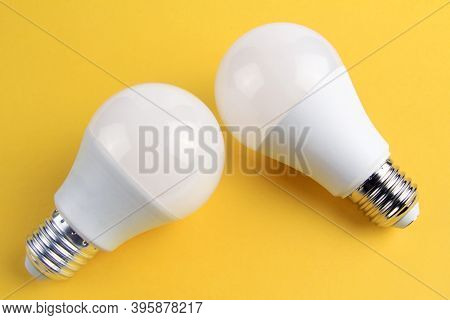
(151, 154)
(284, 76)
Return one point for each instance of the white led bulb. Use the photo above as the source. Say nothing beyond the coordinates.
(151, 154)
(282, 76)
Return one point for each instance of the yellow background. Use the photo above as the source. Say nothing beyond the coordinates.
(251, 240)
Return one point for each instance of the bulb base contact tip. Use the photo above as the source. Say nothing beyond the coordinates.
(388, 198)
(55, 250)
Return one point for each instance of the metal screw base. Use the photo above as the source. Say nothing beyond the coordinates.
(56, 251)
(386, 196)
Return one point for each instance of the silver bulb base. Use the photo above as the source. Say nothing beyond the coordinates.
(387, 197)
(55, 250)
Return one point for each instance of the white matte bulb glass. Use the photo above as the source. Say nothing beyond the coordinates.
(284, 76)
(110, 195)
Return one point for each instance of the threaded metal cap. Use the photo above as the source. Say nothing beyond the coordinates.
(387, 197)
(55, 250)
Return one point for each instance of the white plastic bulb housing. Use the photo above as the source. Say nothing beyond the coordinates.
(151, 154)
(286, 76)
